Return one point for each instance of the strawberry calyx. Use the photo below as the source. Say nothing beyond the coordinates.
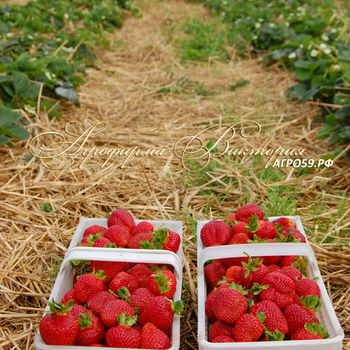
(100, 274)
(92, 238)
(124, 294)
(223, 281)
(316, 328)
(253, 224)
(301, 264)
(258, 240)
(250, 302)
(290, 238)
(109, 214)
(261, 317)
(162, 281)
(126, 321)
(177, 306)
(160, 237)
(235, 286)
(59, 308)
(275, 336)
(109, 245)
(85, 321)
(146, 244)
(311, 302)
(278, 227)
(252, 264)
(257, 288)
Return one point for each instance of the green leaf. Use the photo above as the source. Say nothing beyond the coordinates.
(4, 139)
(7, 116)
(345, 133)
(297, 91)
(15, 131)
(344, 112)
(9, 90)
(326, 131)
(239, 84)
(69, 94)
(32, 91)
(4, 78)
(312, 92)
(46, 207)
(20, 82)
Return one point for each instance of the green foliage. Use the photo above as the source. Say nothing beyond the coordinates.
(48, 44)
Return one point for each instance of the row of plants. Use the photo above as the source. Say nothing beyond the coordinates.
(45, 48)
(309, 37)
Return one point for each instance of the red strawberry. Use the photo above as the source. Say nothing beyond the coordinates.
(220, 328)
(173, 242)
(94, 230)
(306, 287)
(229, 304)
(240, 227)
(162, 283)
(98, 346)
(298, 261)
(228, 262)
(213, 274)
(261, 228)
(160, 311)
(274, 318)
(310, 331)
(284, 222)
(123, 279)
(89, 284)
(293, 235)
(253, 272)
(123, 218)
(91, 331)
(297, 315)
(273, 268)
(58, 326)
(215, 233)
(292, 272)
(233, 273)
(113, 309)
(153, 338)
(239, 238)
(102, 242)
(70, 295)
(143, 226)
(140, 298)
(135, 241)
(141, 272)
(110, 268)
(209, 309)
(223, 339)
(119, 235)
(231, 217)
(98, 300)
(246, 211)
(79, 309)
(248, 328)
(124, 335)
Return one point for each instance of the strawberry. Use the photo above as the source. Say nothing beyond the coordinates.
(213, 273)
(141, 272)
(229, 304)
(103, 242)
(140, 298)
(110, 268)
(223, 339)
(310, 331)
(274, 318)
(162, 283)
(58, 326)
(275, 336)
(114, 308)
(94, 230)
(292, 272)
(91, 331)
(135, 241)
(240, 227)
(220, 328)
(228, 262)
(98, 346)
(70, 295)
(306, 287)
(253, 272)
(89, 284)
(79, 309)
(143, 226)
(239, 238)
(298, 315)
(119, 235)
(160, 311)
(261, 228)
(209, 309)
(123, 218)
(292, 235)
(248, 328)
(233, 273)
(273, 268)
(173, 242)
(231, 217)
(124, 335)
(284, 222)
(278, 288)
(153, 338)
(98, 300)
(215, 233)
(298, 261)
(123, 279)
(247, 211)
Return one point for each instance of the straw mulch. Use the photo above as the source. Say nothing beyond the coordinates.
(123, 92)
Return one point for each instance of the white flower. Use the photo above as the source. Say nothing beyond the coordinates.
(287, 24)
(327, 51)
(255, 37)
(9, 35)
(66, 15)
(261, 20)
(257, 25)
(292, 55)
(48, 75)
(336, 67)
(30, 37)
(29, 109)
(314, 53)
(301, 46)
(325, 37)
(323, 46)
(333, 30)
(272, 25)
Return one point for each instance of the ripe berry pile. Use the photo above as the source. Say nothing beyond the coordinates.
(248, 225)
(122, 232)
(262, 299)
(123, 305)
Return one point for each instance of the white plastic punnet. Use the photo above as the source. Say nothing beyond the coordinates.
(64, 281)
(326, 314)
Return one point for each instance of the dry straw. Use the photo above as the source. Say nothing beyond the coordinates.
(123, 92)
